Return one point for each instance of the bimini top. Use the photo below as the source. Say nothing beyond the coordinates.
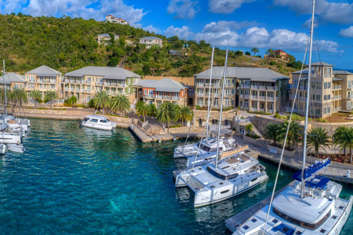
(166, 84)
(311, 170)
(114, 73)
(44, 71)
(251, 73)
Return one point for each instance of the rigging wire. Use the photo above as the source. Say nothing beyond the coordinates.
(287, 131)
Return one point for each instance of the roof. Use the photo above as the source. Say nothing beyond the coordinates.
(11, 77)
(151, 38)
(252, 73)
(166, 84)
(342, 72)
(115, 73)
(44, 71)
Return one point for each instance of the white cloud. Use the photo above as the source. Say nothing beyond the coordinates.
(182, 32)
(348, 32)
(226, 6)
(152, 29)
(183, 9)
(336, 12)
(229, 33)
(75, 8)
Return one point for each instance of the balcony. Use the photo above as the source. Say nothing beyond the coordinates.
(337, 87)
(268, 88)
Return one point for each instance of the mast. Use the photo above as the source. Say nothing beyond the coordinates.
(221, 109)
(209, 97)
(5, 95)
(307, 99)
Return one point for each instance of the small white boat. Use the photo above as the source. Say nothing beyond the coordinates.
(16, 125)
(98, 122)
(16, 148)
(3, 149)
(232, 176)
(320, 211)
(10, 138)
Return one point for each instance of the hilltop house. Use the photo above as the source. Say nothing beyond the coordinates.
(12, 81)
(115, 20)
(84, 83)
(43, 79)
(278, 54)
(151, 41)
(250, 89)
(105, 38)
(331, 91)
(160, 91)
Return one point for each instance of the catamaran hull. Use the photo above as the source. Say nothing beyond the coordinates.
(3, 149)
(339, 225)
(16, 148)
(99, 127)
(10, 139)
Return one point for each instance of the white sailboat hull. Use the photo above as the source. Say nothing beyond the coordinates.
(7, 138)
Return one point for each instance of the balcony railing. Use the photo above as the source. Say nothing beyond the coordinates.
(270, 88)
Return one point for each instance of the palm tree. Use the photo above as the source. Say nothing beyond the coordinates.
(318, 137)
(186, 114)
(101, 101)
(18, 97)
(120, 104)
(255, 50)
(273, 132)
(152, 110)
(343, 136)
(49, 96)
(36, 95)
(294, 133)
(142, 109)
(168, 112)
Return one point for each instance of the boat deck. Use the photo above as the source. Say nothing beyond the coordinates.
(235, 221)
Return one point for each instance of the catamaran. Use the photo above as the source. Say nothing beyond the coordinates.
(222, 178)
(309, 205)
(98, 122)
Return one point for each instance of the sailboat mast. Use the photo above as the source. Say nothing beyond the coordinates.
(209, 97)
(5, 95)
(308, 99)
(221, 109)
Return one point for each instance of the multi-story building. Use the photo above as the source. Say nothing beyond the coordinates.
(160, 91)
(44, 79)
(12, 81)
(331, 91)
(115, 20)
(151, 41)
(247, 88)
(105, 38)
(84, 83)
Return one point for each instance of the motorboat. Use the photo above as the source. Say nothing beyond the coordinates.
(3, 149)
(16, 148)
(320, 211)
(216, 182)
(10, 138)
(98, 122)
(16, 125)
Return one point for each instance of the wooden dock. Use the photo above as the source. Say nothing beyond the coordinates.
(237, 220)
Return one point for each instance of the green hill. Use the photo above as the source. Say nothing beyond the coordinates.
(67, 44)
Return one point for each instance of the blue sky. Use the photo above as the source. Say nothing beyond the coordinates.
(238, 24)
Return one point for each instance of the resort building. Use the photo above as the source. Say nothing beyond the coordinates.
(105, 38)
(247, 88)
(115, 20)
(84, 83)
(331, 91)
(151, 41)
(44, 79)
(160, 91)
(12, 81)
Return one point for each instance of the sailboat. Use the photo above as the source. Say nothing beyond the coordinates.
(310, 204)
(223, 178)
(205, 151)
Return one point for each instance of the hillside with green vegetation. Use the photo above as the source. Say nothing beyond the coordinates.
(67, 44)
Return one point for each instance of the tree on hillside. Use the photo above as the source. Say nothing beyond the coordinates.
(119, 104)
(255, 51)
(318, 137)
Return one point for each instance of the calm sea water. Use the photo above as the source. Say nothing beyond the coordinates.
(80, 181)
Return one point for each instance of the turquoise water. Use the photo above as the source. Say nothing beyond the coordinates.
(80, 181)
